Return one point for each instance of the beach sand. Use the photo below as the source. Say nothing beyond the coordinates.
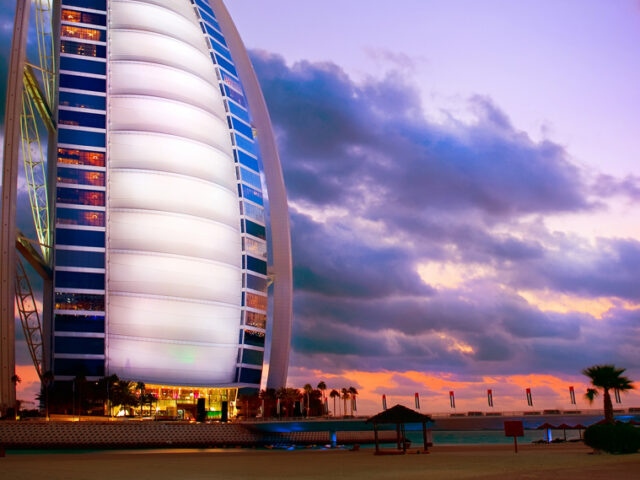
(445, 462)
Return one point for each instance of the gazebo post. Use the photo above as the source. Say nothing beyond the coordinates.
(404, 439)
(375, 434)
(398, 435)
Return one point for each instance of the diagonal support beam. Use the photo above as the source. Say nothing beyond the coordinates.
(32, 87)
(33, 256)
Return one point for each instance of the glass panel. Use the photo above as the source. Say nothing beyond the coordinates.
(85, 49)
(246, 144)
(83, 17)
(80, 323)
(219, 48)
(235, 96)
(80, 197)
(81, 177)
(83, 33)
(251, 178)
(249, 375)
(257, 283)
(92, 281)
(81, 137)
(254, 319)
(81, 119)
(79, 345)
(255, 265)
(255, 247)
(72, 216)
(252, 194)
(253, 211)
(79, 301)
(83, 238)
(82, 65)
(255, 339)
(255, 229)
(74, 366)
(247, 160)
(82, 83)
(242, 127)
(214, 33)
(93, 4)
(80, 157)
(78, 258)
(238, 112)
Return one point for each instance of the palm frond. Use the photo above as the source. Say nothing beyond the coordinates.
(591, 394)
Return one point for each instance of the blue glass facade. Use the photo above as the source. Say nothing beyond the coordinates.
(79, 259)
(245, 150)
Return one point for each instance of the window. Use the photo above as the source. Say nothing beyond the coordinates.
(235, 96)
(78, 258)
(80, 100)
(253, 319)
(82, 83)
(228, 66)
(247, 160)
(81, 119)
(84, 238)
(255, 339)
(255, 229)
(80, 197)
(238, 112)
(80, 177)
(72, 216)
(256, 283)
(83, 65)
(79, 345)
(84, 49)
(253, 211)
(79, 301)
(252, 194)
(251, 178)
(252, 357)
(255, 247)
(80, 323)
(217, 47)
(73, 16)
(246, 144)
(255, 265)
(76, 366)
(93, 4)
(232, 82)
(80, 157)
(83, 33)
(249, 375)
(242, 127)
(90, 281)
(81, 137)
(256, 301)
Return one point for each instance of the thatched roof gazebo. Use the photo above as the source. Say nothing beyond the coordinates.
(400, 416)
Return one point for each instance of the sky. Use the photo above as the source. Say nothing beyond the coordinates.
(463, 191)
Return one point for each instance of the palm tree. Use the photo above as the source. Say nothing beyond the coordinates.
(345, 397)
(606, 377)
(334, 394)
(141, 386)
(307, 390)
(352, 392)
(322, 387)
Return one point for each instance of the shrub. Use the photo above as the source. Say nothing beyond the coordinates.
(613, 438)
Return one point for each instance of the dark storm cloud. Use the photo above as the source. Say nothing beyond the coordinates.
(369, 147)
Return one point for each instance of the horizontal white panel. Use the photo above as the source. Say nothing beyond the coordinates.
(155, 114)
(139, 78)
(156, 48)
(149, 151)
(135, 189)
(181, 7)
(166, 319)
(174, 234)
(171, 364)
(148, 17)
(174, 276)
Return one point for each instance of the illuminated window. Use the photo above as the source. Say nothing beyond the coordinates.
(255, 247)
(255, 339)
(71, 216)
(86, 49)
(253, 319)
(80, 197)
(83, 33)
(79, 301)
(256, 301)
(253, 211)
(80, 177)
(74, 16)
(80, 157)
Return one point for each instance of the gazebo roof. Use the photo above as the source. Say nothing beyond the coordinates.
(399, 414)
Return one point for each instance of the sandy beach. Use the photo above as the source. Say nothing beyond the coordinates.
(445, 462)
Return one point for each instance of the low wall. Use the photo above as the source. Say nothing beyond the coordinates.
(135, 434)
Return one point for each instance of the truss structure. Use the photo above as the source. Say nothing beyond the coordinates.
(29, 317)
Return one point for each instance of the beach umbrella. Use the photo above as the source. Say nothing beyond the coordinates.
(564, 428)
(547, 426)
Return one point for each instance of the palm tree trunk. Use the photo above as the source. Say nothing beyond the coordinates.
(608, 407)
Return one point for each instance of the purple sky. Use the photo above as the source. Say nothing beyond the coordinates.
(463, 189)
